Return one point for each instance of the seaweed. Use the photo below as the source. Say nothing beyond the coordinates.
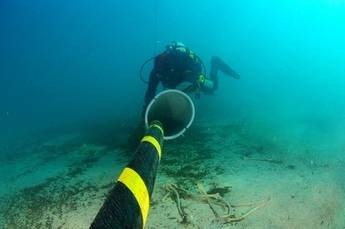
(187, 159)
(220, 190)
(33, 207)
(292, 167)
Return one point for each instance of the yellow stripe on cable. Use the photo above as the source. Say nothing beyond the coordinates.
(155, 143)
(132, 180)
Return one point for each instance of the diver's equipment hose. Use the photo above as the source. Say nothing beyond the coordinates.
(142, 68)
(127, 204)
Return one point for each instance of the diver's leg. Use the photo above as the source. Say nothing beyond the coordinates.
(219, 65)
(214, 73)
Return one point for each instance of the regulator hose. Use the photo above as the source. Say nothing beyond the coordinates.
(142, 68)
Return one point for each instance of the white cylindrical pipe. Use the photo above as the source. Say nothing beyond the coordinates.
(174, 109)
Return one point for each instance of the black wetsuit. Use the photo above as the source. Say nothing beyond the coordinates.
(174, 67)
(171, 69)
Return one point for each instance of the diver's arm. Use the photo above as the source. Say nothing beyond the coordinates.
(201, 81)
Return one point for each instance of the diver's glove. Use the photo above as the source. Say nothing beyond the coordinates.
(200, 84)
(204, 83)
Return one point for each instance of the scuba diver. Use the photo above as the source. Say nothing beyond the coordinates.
(178, 64)
(174, 67)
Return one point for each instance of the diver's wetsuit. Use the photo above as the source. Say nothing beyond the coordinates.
(173, 67)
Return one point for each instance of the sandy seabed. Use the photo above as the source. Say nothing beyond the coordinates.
(60, 181)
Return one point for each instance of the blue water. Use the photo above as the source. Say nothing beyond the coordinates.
(64, 63)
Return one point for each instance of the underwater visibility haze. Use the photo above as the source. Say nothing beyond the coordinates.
(264, 151)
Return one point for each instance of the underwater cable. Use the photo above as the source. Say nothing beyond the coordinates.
(128, 202)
